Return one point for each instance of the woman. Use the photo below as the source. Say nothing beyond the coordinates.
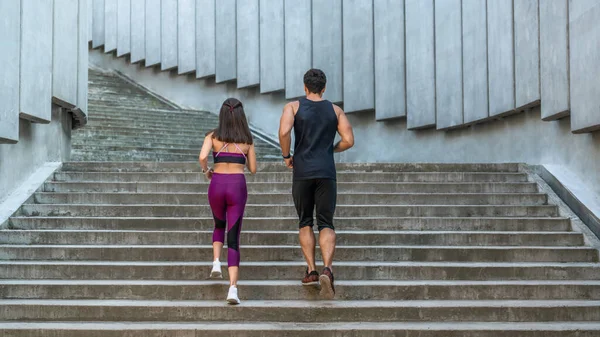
(232, 147)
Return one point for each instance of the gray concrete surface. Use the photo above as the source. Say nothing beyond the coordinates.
(124, 27)
(448, 64)
(138, 34)
(36, 60)
(64, 53)
(10, 25)
(527, 53)
(390, 63)
(358, 55)
(327, 45)
(83, 58)
(90, 21)
(272, 53)
(248, 43)
(205, 38)
(584, 65)
(226, 49)
(168, 35)
(153, 33)
(501, 56)
(554, 58)
(110, 25)
(420, 64)
(298, 50)
(98, 23)
(475, 61)
(186, 36)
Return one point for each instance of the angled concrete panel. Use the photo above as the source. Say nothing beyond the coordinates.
(584, 34)
(83, 57)
(138, 25)
(186, 36)
(248, 62)
(152, 36)
(64, 55)
(475, 75)
(272, 58)
(501, 65)
(390, 65)
(327, 45)
(527, 53)
(98, 23)
(36, 60)
(168, 34)
(124, 27)
(205, 38)
(225, 41)
(298, 46)
(554, 58)
(10, 26)
(358, 55)
(448, 63)
(110, 25)
(420, 64)
(90, 19)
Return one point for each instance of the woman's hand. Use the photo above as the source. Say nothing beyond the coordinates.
(209, 174)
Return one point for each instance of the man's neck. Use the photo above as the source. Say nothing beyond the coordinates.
(314, 97)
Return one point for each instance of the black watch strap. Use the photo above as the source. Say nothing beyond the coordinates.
(287, 157)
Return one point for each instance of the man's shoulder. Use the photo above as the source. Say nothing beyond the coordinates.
(294, 105)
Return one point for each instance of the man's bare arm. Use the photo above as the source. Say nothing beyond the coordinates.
(345, 131)
(285, 129)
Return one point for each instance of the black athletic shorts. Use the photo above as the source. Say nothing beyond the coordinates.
(315, 193)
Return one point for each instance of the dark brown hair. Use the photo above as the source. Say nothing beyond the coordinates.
(233, 125)
(315, 80)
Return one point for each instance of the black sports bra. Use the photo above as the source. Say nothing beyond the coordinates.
(229, 157)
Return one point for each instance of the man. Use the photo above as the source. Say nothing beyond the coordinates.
(315, 122)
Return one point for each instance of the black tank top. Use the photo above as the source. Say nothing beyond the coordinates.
(315, 126)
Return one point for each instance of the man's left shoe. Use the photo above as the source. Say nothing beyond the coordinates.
(327, 287)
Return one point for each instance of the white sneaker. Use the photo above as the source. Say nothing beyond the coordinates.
(232, 297)
(216, 270)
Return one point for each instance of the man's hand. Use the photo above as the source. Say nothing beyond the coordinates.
(289, 162)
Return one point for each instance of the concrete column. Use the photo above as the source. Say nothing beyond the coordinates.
(475, 61)
(10, 26)
(83, 57)
(527, 54)
(186, 36)
(64, 65)
(248, 43)
(272, 58)
(36, 60)
(168, 34)
(327, 45)
(298, 46)
(98, 23)
(138, 26)
(584, 34)
(123, 27)
(205, 38)
(501, 64)
(420, 64)
(226, 40)
(110, 25)
(358, 55)
(448, 64)
(390, 63)
(90, 20)
(153, 52)
(554, 58)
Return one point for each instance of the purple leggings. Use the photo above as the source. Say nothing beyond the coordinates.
(227, 195)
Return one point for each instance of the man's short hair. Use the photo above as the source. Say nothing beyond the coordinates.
(315, 80)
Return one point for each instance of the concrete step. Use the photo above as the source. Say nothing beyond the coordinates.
(291, 223)
(155, 142)
(294, 270)
(171, 119)
(144, 156)
(268, 167)
(292, 253)
(84, 144)
(149, 113)
(278, 329)
(144, 149)
(286, 198)
(351, 290)
(265, 210)
(274, 238)
(200, 131)
(299, 311)
(134, 104)
(274, 177)
(257, 187)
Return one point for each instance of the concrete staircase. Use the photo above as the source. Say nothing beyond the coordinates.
(122, 247)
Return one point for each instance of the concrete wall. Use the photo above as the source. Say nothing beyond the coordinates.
(475, 61)
(298, 52)
(124, 27)
(272, 53)
(226, 46)
(248, 41)
(10, 25)
(327, 45)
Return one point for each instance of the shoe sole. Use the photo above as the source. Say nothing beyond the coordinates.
(326, 289)
(233, 301)
(216, 275)
(315, 283)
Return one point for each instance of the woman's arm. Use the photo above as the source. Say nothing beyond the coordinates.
(251, 159)
(205, 152)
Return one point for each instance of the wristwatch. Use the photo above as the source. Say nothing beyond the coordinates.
(287, 157)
